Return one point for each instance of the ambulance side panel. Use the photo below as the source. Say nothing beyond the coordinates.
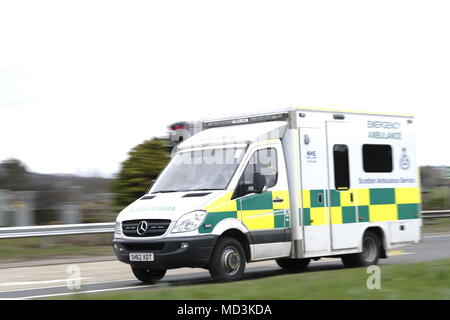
(390, 199)
(380, 189)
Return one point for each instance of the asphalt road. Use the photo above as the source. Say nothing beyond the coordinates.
(52, 279)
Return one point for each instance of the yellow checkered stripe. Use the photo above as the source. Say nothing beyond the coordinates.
(360, 205)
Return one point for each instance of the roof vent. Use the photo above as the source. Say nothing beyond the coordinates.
(147, 197)
(191, 195)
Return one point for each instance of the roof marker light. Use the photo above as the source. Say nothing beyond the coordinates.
(338, 116)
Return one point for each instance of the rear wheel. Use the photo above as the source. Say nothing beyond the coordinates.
(148, 275)
(371, 252)
(293, 265)
(228, 260)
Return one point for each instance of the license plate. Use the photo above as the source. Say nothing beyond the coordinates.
(141, 257)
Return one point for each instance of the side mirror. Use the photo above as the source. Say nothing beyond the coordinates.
(259, 183)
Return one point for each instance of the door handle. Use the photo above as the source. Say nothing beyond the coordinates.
(319, 198)
(278, 199)
(351, 196)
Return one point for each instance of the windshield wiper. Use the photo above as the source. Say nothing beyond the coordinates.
(167, 191)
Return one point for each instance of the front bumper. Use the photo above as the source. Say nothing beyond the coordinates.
(168, 253)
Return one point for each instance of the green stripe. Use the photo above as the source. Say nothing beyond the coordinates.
(335, 198)
(382, 196)
(314, 198)
(348, 215)
(306, 217)
(261, 201)
(278, 217)
(363, 213)
(213, 218)
(408, 211)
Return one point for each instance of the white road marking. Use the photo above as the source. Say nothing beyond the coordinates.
(24, 283)
(83, 284)
(90, 291)
(438, 236)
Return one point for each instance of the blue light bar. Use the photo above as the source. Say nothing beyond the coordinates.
(245, 120)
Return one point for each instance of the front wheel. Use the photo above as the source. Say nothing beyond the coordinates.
(148, 276)
(371, 252)
(228, 260)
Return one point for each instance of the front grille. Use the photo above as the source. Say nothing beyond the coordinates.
(155, 227)
(143, 246)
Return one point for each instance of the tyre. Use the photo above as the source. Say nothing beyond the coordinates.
(372, 248)
(228, 260)
(148, 275)
(293, 265)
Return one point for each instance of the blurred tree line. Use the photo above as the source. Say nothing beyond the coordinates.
(51, 190)
(435, 184)
(14, 176)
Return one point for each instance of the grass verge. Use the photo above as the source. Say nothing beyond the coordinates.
(436, 225)
(428, 280)
(54, 247)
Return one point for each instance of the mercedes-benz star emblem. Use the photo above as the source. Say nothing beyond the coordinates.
(142, 227)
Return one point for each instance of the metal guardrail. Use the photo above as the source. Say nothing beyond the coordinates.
(436, 214)
(108, 227)
(56, 230)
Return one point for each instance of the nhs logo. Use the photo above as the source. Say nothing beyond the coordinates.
(311, 156)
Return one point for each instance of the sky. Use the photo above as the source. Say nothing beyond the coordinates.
(82, 82)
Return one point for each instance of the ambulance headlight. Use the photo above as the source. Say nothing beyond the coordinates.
(189, 221)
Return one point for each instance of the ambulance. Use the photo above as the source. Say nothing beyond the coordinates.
(292, 185)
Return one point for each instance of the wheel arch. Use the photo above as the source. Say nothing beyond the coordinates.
(233, 228)
(380, 231)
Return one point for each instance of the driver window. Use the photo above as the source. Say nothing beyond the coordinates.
(263, 161)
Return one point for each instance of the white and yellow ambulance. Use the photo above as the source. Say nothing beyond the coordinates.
(291, 185)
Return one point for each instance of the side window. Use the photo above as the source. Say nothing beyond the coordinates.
(263, 161)
(377, 157)
(341, 167)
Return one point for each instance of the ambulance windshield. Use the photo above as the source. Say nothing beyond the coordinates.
(206, 169)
